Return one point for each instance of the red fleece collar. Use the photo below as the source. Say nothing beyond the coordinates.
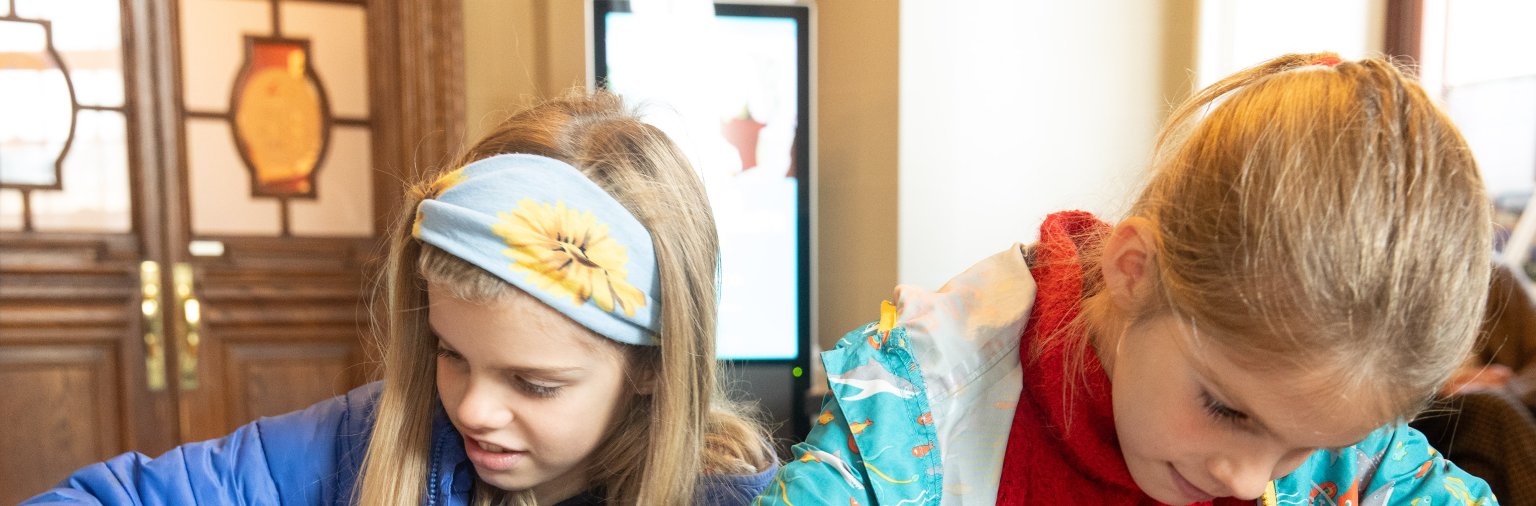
(1062, 452)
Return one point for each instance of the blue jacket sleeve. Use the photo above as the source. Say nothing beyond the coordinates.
(230, 470)
(1394, 465)
(288, 459)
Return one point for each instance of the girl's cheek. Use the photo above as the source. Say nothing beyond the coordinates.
(1196, 430)
(1291, 462)
(449, 382)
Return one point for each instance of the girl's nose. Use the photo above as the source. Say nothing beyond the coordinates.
(1246, 476)
(483, 407)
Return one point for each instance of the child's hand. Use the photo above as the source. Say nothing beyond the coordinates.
(1477, 378)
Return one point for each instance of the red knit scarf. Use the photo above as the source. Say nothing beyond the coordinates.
(1045, 462)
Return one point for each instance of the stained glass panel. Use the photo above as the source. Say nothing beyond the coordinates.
(36, 89)
(88, 36)
(343, 205)
(338, 40)
(280, 118)
(10, 209)
(95, 195)
(212, 49)
(218, 186)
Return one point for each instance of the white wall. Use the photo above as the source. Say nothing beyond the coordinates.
(1011, 110)
(1236, 34)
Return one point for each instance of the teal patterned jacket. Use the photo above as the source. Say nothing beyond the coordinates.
(1394, 465)
(878, 441)
(875, 444)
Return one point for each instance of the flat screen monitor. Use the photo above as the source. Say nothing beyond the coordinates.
(729, 83)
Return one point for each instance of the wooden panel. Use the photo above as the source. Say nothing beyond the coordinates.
(272, 378)
(60, 283)
(62, 412)
(66, 260)
(282, 323)
(72, 359)
(18, 314)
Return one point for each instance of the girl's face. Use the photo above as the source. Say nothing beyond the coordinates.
(531, 391)
(1194, 425)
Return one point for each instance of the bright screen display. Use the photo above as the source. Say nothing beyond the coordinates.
(726, 84)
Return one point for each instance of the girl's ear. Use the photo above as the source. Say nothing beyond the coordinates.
(1127, 263)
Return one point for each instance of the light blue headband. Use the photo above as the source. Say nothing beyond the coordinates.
(542, 226)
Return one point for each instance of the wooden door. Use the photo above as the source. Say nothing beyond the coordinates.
(273, 108)
(191, 193)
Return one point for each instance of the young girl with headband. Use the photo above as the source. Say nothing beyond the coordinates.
(1308, 263)
(549, 315)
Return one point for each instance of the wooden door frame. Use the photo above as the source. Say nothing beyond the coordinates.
(47, 275)
(417, 61)
(1404, 29)
(416, 109)
(416, 103)
(417, 106)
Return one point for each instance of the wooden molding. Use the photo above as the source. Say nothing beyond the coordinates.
(417, 65)
(1405, 30)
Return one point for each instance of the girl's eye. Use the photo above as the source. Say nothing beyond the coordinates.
(1220, 411)
(448, 354)
(537, 390)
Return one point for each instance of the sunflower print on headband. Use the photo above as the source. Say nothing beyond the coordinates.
(569, 253)
(570, 244)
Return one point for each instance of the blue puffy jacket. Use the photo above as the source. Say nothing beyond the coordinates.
(308, 457)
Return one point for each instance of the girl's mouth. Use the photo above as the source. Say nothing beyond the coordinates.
(1187, 488)
(491, 457)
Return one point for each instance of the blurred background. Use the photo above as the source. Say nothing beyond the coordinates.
(193, 192)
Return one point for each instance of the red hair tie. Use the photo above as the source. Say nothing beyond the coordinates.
(1326, 60)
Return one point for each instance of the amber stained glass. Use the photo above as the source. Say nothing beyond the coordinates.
(279, 118)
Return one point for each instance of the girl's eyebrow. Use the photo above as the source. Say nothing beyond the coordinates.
(537, 371)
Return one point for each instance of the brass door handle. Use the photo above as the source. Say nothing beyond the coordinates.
(192, 315)
(154, 325)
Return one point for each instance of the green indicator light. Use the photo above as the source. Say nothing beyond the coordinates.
(797, 371)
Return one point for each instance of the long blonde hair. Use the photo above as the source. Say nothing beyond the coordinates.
(660, 443)
(1319, 215)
